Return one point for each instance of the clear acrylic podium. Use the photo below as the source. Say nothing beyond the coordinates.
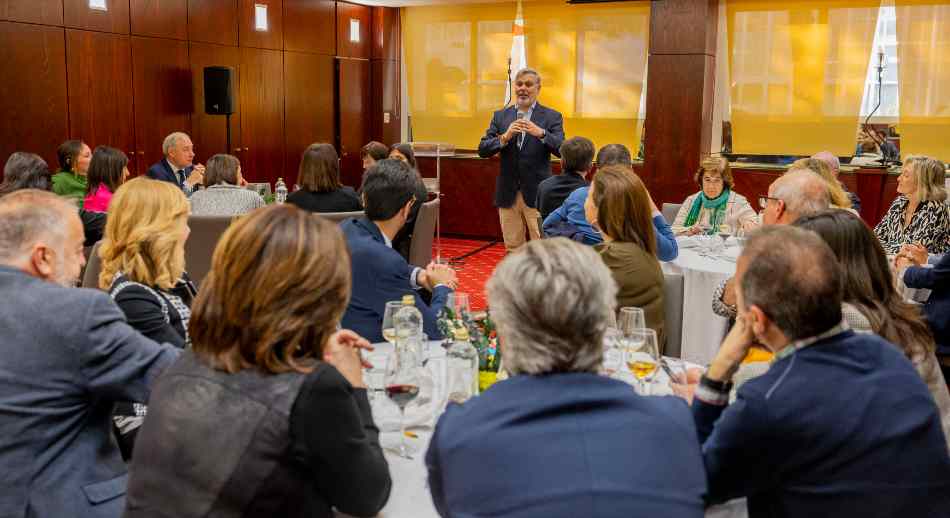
(437, 150)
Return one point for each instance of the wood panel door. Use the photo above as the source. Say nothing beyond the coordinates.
(160, 18)
(162, 92)
(34, 108)
(385, 112)
(353, 87)
(386, 33)
(262, 120)
(114, 18)
(209, 132)
(99, 66)
(269, 37)
(353, 28)
(213, 21)
(310, 26)
(309, 106)
(46, 12)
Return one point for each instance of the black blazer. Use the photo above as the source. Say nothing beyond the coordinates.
(522, 169)
(553, 191)
(163, 172)
(343, 199)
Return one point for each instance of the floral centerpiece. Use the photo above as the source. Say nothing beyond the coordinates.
(482, 335)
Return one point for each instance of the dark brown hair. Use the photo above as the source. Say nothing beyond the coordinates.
(718, 165)
(320, 169)
(222, 168)
(105, 168)
(278, 285)
(577, 155)
(867, 280)
(405, 149)
(375, 150)
(623, 207)
(67, 153)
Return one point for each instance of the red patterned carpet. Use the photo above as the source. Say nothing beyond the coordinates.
(474, 270)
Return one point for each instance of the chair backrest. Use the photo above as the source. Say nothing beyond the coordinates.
(420, 248)
(205, 233)
(262, 188)
(669, 212)
(673, 309)
(90, 276)
(340, 217)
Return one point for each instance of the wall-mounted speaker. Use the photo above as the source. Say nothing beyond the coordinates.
(219, 90)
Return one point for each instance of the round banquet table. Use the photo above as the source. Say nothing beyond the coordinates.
(410, 496)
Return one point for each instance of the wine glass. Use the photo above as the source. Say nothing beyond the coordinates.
(376, 374)
(402, 386)
(630, 319)
(641, 355)
(389, 330)
(724, 230)
(458, 302)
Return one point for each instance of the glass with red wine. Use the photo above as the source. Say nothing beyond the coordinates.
(402, 386)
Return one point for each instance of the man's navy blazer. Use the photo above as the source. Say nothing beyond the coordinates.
(380, 275)
(163, 172)
(522, 169)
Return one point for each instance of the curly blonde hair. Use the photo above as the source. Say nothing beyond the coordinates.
(142, 238)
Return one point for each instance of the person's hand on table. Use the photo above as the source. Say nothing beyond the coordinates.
(693, 230)
(733, 350)
(437, 274)
(684, 383)
(343, 352)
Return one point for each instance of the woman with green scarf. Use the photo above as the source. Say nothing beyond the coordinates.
(70, 180)
(715, 204)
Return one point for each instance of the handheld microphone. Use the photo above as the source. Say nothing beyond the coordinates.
(519, 117)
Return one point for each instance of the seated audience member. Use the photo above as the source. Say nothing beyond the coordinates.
(716, 203)
(225, 193)
(373, 152)
(320, 186)
(918, 215)
(143, 269)
(266, 414)
(107, 171)
(840, 425)
(831, 160)
(569, 220)
(557, 439)
(68, 356)
(70, 180)
(937, 307)
(873, 148)
(618, 205)
(380, 274)
(839, 197)
(29, 171)
(791, 196)
(177, 167)
(872, 303)
(404, 153)
(577, 157)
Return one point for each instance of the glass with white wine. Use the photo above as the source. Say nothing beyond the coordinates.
(389, 330)
(641, 356)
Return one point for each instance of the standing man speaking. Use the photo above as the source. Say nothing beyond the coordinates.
(526, 135)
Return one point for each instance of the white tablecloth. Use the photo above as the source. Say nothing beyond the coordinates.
(703, 330)
(410, 496)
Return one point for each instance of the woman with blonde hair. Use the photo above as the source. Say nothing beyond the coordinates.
(716, 203)
(839, 198)
(143, 269)
(918, 216)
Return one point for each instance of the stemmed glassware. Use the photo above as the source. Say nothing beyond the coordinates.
(389, 329)
(403, 381)
(641, 355)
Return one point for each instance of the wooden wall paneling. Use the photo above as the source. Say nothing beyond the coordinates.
(751, 183)
(161, 80)
(77, 14)
(887, 195)
(99, 68)
(160, 18)
(272, 38)
(345, 47)
(46, 12)
(213, 21)
(310, 26)
(353, 94)
(683, 26)
(385, 110)
(208, 132)
(386, 33)
(33, 98)
(309, 106)
(262, 121)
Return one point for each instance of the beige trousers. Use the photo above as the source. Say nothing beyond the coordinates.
(515, 220)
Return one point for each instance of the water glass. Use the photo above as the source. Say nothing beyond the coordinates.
(458, 302)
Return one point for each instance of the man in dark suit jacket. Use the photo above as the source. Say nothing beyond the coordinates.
(937, 307)
(68, 356)
(840, 425)
(177, 167)
(577, 157)
(380, 274)
(526, 135)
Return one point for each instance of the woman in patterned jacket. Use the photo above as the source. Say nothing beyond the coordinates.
(919, 215)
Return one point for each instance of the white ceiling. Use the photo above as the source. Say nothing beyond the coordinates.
(408, 3)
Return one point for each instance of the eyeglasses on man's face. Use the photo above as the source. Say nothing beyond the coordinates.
(764, 200)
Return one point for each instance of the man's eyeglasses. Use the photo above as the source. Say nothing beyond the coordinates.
(764, 200)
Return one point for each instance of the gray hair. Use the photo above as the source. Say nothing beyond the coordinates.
(793, 277)
(28, 216)
(803, 191)
(172, 140)
(528, 71)
(552, 301)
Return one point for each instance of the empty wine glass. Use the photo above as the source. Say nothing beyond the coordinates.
(641, 356)
(389, 330)
(629, 319)
(458, 302)
(402, 386)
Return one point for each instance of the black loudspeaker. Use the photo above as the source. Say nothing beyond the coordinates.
(219, 90)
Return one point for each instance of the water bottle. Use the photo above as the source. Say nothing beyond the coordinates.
(407, 323)
(280, 191)
(462, 367)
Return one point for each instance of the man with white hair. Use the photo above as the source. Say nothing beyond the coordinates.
(829, 158)
(68, 356)
(177, 166)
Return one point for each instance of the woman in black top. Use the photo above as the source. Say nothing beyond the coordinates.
(320, 186)
(267, 414)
